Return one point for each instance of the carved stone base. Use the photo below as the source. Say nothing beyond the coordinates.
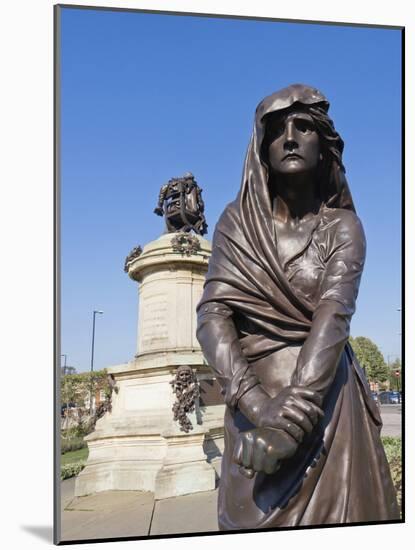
(126, 450)
(184, 469)
(138, 445)
(122, 465)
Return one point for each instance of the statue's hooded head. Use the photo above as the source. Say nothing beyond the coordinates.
(333, 187)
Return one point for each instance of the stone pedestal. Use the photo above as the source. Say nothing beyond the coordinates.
(138, 446)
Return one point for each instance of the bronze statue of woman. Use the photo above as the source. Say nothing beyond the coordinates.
(302, 432)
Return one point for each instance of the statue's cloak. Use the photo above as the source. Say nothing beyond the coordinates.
(340, 473)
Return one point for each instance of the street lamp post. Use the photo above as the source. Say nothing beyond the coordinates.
(64, 365)
(92, 355)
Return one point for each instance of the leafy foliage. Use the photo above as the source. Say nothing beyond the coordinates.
(70, 470)
(76, 390)
(370, 359)
(72, 444)
(393, 450)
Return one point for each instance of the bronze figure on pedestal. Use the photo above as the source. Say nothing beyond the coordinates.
(302, 432)
(180, 201)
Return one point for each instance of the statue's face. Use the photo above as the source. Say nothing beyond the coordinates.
(185, 375)
(294, 145)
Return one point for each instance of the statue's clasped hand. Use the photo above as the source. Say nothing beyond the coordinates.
(282, 422)
(262, 449)
(295, 410)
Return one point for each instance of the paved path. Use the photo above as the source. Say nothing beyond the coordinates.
(392, 420)
(134, 513)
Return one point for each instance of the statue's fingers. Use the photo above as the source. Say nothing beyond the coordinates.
(247, 448)
(310, 409)
(295, 431)
(246, 472)
(271, 463)
(308, 394)
(237, 458)
(258, 458)
(237, 452)
(282, 423)
(298, 417)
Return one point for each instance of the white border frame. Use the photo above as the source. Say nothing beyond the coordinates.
(27, 277)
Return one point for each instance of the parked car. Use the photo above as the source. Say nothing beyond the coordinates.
(395, 397)
(389, 397)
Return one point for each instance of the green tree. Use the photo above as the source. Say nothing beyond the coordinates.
(395, 381)
(68, 390)
(370, 358)
(77, 389)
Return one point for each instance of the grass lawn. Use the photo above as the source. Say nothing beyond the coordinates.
(74, 456)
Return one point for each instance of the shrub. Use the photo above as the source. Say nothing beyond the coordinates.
(72, 444)
(81, 430)
(70, 470)
(393, 450)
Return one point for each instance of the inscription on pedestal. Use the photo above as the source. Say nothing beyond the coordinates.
(144, 397)
(153, 324)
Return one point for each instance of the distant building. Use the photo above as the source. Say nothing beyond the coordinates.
(98, 398)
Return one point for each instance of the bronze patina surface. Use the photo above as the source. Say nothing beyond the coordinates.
(302, 432)
(180, 202)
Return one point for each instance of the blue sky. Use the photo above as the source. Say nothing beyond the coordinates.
(145, 97)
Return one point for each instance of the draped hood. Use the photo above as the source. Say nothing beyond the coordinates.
(244, 270)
